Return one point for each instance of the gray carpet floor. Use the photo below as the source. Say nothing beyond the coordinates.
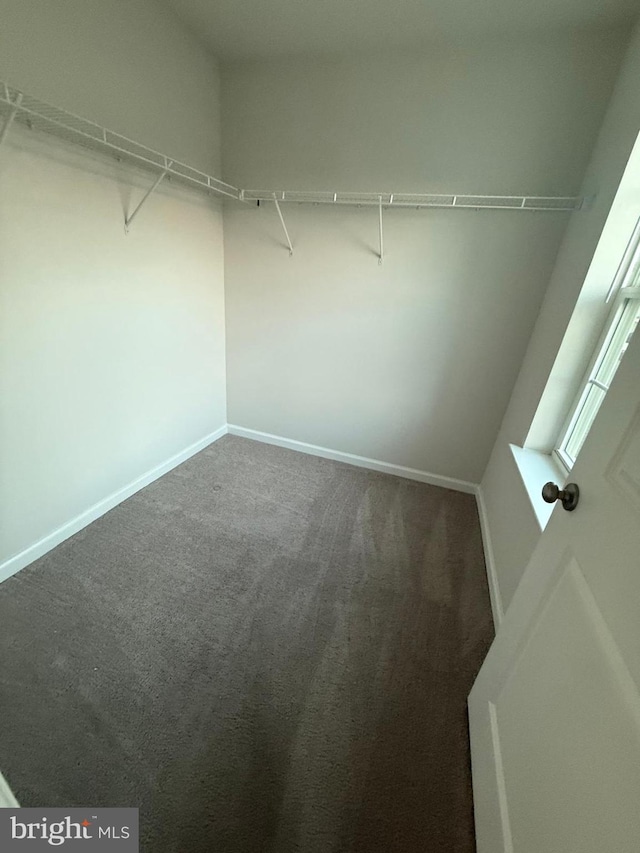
(264, 651)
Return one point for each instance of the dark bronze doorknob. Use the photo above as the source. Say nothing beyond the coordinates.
(569, 496)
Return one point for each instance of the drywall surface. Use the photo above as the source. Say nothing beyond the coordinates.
(412, 362)
(403, 362)
(111, 347)
(129, 65)
(511, 117)
(554, 346)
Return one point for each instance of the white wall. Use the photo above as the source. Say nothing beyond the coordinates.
(404, 363)
(563, 336)
(111, 346)
(129, 65)
(412, 362)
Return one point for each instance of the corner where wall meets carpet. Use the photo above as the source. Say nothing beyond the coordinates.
(18, 561)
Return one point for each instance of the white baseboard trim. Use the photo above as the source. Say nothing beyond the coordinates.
(19, 561)
(7, 800)
(492, 577)
(24, 558)
(359, 461)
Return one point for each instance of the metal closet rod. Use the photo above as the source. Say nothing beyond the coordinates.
(39, 115)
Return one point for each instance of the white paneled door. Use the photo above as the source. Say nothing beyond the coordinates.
(555, 710)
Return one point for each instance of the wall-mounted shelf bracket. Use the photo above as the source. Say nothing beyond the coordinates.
(381, 233)
(284, 227)
(10, 117)
(129, 219)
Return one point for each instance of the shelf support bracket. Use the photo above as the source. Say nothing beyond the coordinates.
(129, 219)
(284, 227)
(381, 235)
(10, 117)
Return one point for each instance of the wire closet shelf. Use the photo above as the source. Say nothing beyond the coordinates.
(41, 116)
(419, 200)
(38, 115)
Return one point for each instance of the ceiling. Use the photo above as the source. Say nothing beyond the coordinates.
(248, 29)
